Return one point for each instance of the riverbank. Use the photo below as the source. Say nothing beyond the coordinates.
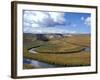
(63, 52)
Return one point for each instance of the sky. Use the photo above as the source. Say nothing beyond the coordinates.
(56, 22)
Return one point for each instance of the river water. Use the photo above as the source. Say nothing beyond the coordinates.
(36, 63)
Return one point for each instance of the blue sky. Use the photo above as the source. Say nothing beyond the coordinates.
(56, 22)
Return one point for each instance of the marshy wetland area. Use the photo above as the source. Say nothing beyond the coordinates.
(56, 50)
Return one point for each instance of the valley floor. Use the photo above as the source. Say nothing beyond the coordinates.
(63, 52)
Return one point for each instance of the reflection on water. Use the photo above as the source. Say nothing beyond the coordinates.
(36, 63)
(41, 64)
(87, 49)
(26, 61)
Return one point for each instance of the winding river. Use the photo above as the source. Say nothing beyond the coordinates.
(36, 63)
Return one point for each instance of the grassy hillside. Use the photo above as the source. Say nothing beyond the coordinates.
(73, 59)
(71, 50)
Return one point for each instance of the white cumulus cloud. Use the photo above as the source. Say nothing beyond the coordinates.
(43, 18)
(86, 21)
(82, 18)
(35, 19)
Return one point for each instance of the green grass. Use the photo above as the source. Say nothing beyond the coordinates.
(63, 45)
(56, 49)
(70, 46)
(28, 66)
(73, 59)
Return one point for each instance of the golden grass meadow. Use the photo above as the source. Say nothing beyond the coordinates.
(63, 51)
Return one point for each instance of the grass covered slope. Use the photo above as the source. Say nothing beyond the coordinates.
(59, 46)
(71, 50)
(71, 59)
